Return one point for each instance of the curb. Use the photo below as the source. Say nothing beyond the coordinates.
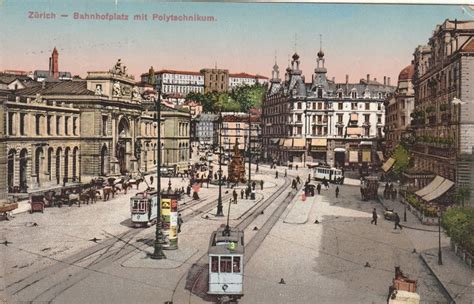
(451, 299)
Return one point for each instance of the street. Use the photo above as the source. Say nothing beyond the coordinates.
(91, 255)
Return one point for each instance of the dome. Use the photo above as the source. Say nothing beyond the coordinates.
(296, 56)
(320, 54)
(407, 73)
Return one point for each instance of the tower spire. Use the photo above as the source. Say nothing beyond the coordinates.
(320, 42)
(296, 41)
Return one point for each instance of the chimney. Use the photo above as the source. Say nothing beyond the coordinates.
(347, 78)
(388, 81)
(55, 64)
(368, 77)
(50, 67)
(385, 80)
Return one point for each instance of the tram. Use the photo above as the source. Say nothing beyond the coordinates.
(332, 175)
(226, 264)
(143, 208)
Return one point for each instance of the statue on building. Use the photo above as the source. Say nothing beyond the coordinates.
(135, 92)
(118, 69)
(98, 89)
(116, 91)
(237, 166)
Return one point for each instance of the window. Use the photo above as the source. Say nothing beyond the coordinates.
(214, 264)
(354, 95)
(58, 122)
(339, 94)
(367, 106)
(299, 105)
(320, 93)
(354, 106)
(22, 123)
(366, 118)
(340, 106)
(320, 105)
(339, 131)
(66, 125)
(48, 124)
(379, 118)
(104, 125)
(339, 118)
(236, 264)
(379, 106)
(10, 123)
(37, 123)
(226, 264)
(298, 117)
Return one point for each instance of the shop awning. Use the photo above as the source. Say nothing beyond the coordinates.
(435, 183)
(366, 156)
(354, 156)
(274, 140)
(339, 150)
(442, 189)
(354, 131)
(354, 117)
(388, 164)
(299, 142)
(321, 142)
(380, 154)
(286, 143)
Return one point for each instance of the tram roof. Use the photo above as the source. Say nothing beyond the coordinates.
(219, 243)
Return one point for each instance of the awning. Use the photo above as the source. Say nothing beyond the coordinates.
(322, 142)
(354, 117)
(380, 154)
(354, 131)
(286, 143)
(366, 143)
(274, 140)
(388, 164)
(440, 190)
(299, 142)
(366, 156)
(339, 150)
(435, 183)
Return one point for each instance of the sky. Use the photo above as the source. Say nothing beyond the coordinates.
(357, 39)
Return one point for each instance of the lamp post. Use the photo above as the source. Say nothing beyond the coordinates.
(219, 198)
(158, 250)
(440, 257)
(250, 152)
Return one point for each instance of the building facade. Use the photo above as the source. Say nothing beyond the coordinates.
(235, 129)
(215, 80)
(399, 109)
(240, 79)
(444, 103)
(175, 82)
(205, 128)
(323, 121)
(72, 131)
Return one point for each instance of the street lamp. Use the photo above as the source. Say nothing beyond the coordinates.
(159, 240)
(219, 198)
(440, 257)
(250, 152)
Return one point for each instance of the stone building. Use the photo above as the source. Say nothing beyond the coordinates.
(73, 131)
(204, 128)
(215, 80)
(399, 109)
(235, 129)
(444, 103)
(323, 121)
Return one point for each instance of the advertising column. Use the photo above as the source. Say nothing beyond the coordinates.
(169, 216)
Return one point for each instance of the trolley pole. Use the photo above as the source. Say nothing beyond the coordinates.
(219, 198)
(158, 250)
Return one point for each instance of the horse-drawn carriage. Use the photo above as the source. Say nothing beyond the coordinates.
(369, 188)
(6, 208)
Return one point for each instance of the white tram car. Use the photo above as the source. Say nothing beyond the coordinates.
(226, 264)
(332, 175)
(143, 208)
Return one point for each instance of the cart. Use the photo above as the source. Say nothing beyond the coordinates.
(369, 188)
(6, 208)
(37, 203)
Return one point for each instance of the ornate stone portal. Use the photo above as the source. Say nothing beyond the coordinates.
(237, 166)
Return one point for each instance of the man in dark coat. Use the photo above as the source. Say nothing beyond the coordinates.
(235, 195)
(374, 217)
(318, 187)
(397, 222)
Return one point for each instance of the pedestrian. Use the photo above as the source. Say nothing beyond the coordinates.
(180, 222)
(285, 173)
(374, 217)
(293, 184)
(397, 222)
(296, 167)
(242, 193)
(188, 190)
(215, 175)
(318, 187)
(276, 174)
(253, 185)
(234, 193)
(298, 180)
(337, 191)
(151, 180)
(261, 184)
(247, 193)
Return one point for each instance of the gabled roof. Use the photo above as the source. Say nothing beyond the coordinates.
(9, 78)
(58, 88)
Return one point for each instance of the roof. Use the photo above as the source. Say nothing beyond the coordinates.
(246, 75)
(218, 237)
(469, 47)
(407, 73)
(174, 72)
(9, 78)
(58, 88)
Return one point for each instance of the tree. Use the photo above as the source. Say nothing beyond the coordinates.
(402, 159)
(462, 194)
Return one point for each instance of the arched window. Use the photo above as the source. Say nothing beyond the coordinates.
(320, 93)
(354, 94)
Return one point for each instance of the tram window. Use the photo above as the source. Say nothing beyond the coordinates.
(214, 264)
(135, 206)
(236, 264)
(226, 264)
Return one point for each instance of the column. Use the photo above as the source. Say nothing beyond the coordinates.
(15, 123)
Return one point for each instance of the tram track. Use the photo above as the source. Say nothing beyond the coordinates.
(110, 255)
(253, 244)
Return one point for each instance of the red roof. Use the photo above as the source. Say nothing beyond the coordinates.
(407, 73)
(246, 75)
(174, 72)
